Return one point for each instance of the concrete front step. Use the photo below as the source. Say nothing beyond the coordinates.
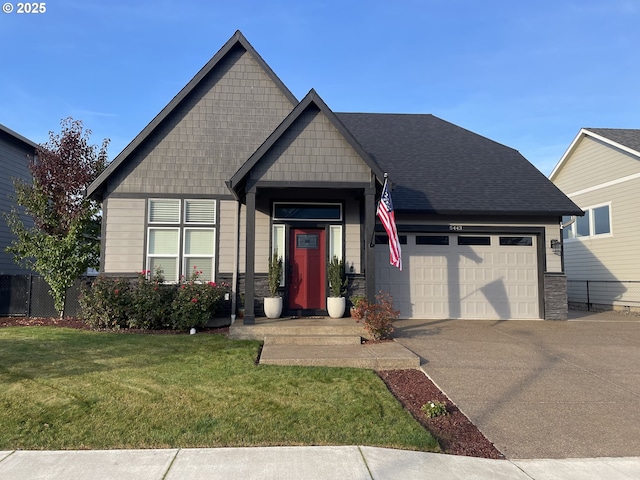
(304, 327)
(375, 356)
(312, 339)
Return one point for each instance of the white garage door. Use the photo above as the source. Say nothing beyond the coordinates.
(462, 276)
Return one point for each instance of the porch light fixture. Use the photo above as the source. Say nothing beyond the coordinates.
(556, 245)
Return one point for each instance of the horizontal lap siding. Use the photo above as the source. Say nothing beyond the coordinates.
(226, 235)
(124, 235)
(13, 164)
(593, 163)
(353, 242)
(609, 257)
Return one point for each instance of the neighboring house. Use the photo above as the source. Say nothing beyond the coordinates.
(15, 151)
(600, 172)
(235, 167)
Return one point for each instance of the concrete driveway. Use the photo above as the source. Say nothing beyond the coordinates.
(539, 389)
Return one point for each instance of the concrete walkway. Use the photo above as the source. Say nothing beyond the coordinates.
(296, 463)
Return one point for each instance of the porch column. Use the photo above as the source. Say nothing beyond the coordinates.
(369, 243)
(249, 283)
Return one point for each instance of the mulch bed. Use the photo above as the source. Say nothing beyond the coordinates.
(455, 433)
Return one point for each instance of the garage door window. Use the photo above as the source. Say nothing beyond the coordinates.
(432, 240)
(516, 241)
(474, 240)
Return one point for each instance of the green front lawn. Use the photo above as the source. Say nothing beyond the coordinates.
(71, 389)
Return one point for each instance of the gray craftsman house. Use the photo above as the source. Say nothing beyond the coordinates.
(235, 168)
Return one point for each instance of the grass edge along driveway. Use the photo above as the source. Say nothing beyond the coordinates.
(62, 388)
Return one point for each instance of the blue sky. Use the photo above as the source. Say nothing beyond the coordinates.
(528, 74)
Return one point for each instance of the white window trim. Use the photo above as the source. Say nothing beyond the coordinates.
(186, 255)
(333, 241)
(163, 255)
(164, 200)
(592, 236)
(279, 246)
(215, 210)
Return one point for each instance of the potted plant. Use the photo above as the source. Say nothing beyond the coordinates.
(273, 303)
(336, 303)
(356, 307)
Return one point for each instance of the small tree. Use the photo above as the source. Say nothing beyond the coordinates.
(64, 240)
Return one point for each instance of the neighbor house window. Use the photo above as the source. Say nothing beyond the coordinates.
(595, 222)
(181, 238)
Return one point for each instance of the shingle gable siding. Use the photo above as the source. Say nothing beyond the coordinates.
(209, 135)
(312, 150)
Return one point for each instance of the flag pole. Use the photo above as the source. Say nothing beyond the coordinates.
(373, 233)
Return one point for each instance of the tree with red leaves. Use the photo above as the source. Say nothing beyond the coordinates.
(64, 240)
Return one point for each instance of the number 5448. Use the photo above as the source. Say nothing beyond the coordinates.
(31, 7)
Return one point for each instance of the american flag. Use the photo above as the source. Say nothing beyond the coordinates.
(388, 219)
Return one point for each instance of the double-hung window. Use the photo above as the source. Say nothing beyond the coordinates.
(595, 222)
(181, 237)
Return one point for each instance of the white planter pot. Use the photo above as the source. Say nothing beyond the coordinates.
(336, 306)
(273, 307)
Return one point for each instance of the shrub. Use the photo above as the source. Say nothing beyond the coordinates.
(356, 310)
(337, 280)
(106, 302)
(151, 301)
(274, 274)
(378, 317)
(434, 408)
(195, 302)
(148, 303)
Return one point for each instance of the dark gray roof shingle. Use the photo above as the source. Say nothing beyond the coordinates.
(441, 168)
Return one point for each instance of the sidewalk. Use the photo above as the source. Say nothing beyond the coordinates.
(298, 463)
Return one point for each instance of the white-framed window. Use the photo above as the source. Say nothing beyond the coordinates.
(181, 237)
(164, 210)
(163, 249)
(335, 242)
(596, 222)
(199, 252)
(278, 245)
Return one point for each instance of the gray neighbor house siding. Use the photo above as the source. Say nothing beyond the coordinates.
(14, 161)
(294, 177)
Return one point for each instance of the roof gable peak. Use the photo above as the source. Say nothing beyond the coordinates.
(237, 39)
(312, 99)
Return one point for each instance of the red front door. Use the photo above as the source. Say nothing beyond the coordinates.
(307, 281)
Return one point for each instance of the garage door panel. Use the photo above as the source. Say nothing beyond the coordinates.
(462, 281)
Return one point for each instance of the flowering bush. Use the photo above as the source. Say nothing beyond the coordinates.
(149, 303)
(195, 302)
(106, 302)
(434, 408)
(378, 317)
